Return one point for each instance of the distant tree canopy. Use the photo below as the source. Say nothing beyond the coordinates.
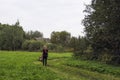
(33, 35)
(32, 45)
(11, 36)
(102, 27)
(61, 38)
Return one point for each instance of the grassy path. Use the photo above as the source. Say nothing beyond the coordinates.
(73, 73)
(64, 71)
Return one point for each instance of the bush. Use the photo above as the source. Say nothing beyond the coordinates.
(77, 54)
(115, 60)
(59, 49)
(32, 45)
(51, 46)
(84, 54)
(55, 48)
(25, 45)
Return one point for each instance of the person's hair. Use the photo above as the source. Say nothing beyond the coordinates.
(44, 47)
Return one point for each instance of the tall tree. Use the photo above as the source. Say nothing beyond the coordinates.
(73, 43)
(65, 38)
(61, 38)
(11, 36)
(102, 26)
(55, 37)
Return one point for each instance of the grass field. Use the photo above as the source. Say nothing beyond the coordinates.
(18, 65)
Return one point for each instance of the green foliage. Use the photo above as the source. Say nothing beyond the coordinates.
(32, 45)
(73, 43)
(11, 36)
(33, 35)
(51, 46)
(79, 45)
(55, 48)
(60, 41)
(60, 38)
(102, 27)
(59, 49)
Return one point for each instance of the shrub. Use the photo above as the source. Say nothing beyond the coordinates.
(25, 45)
(32, 45)
(84, 54)
(115, 60)
(51, 46)
(55, 48)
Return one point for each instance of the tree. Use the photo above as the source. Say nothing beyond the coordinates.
(79, 46)
(65, 38)
(102, 26)
(61, 38)
(33, 35)
(55, 37)
(32, 45)
(11, 36)
(73, 43)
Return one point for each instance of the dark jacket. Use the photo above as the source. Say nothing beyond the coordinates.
(45, 52)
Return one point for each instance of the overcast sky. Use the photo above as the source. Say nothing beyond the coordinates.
(45, 16)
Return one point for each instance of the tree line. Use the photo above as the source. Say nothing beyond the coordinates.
(13, 37)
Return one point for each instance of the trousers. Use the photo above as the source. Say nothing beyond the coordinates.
(44, 61)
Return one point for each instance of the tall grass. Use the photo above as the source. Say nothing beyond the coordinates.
(24, 66)
(94, 66)
(21, 65)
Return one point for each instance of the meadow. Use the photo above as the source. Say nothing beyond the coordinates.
(21, 65)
